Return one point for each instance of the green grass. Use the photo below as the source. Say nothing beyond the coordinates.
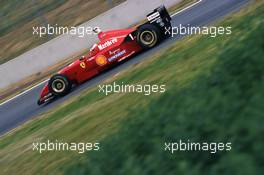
(214, 92)
(224, 105)
(10, 18)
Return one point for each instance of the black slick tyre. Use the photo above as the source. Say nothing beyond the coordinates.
(148, 36)
(59, 85)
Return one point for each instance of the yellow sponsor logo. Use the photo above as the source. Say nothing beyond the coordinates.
(101, 60)
(82, 64)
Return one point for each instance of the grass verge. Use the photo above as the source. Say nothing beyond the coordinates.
(223, 105)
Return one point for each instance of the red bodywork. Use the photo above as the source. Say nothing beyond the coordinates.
(113, 46)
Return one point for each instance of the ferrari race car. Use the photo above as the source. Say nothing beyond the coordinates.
(113, 47)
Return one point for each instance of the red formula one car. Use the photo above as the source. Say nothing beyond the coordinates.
(113, 47)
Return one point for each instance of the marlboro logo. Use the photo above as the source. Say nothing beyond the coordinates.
(107, 44)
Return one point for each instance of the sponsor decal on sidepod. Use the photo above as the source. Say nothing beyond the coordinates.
(116, 55)
(101, 60)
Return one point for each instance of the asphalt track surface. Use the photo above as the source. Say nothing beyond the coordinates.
(24, 107)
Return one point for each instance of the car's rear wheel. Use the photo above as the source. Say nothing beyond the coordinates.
(148, 36)
(59, 85)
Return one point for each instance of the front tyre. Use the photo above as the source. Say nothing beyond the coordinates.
(148, 36)
(59, 85)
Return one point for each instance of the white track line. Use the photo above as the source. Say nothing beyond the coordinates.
(186, 8)
(47, 80)
(23, 92)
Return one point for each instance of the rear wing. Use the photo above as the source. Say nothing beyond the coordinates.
(158, 17)
(159, 14)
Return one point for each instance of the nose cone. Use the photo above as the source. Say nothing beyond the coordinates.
(70, 67)
(44, 91)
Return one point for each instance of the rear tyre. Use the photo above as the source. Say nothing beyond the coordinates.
(59, 85)
(148, 36)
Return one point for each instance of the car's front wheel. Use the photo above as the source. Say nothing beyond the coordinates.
(148, 36)
(59, 85)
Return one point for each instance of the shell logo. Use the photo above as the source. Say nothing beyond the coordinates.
(101, 60)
